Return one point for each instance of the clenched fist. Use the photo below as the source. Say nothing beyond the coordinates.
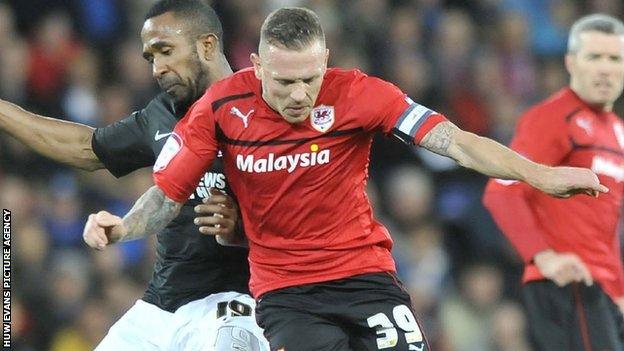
(103, 229)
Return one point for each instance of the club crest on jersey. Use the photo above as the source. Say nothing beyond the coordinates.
(172, 146)
(322, 118)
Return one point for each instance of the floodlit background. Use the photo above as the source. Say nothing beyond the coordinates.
(480, 62)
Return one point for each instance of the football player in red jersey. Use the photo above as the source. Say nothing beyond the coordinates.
(296, 137)
(569, 245)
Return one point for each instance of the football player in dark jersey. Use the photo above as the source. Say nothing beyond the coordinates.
(195, 281)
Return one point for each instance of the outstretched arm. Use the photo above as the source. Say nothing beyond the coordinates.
(495, 160)
(62, 141)
(150, 214)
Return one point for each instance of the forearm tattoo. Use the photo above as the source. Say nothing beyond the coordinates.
(439, 138)
(150, 214)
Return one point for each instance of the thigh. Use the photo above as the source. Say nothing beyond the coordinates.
(289, 328)
(219, 322)
(379, 316)
(143, 327)
(550, 315)
(575, 317)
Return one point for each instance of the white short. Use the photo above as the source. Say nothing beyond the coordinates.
(219, 322)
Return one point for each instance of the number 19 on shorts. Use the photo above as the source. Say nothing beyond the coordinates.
(387, 331)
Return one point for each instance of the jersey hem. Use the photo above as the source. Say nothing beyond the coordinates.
(265, 288)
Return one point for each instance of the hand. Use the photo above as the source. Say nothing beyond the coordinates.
(564, 182)
(562, 268)
(619, 302)
(218, 215)
(103, 229)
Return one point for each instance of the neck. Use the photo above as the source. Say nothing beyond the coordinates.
(220, 70)
(605, 108)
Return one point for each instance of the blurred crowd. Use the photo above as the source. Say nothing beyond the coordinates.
(480, 62)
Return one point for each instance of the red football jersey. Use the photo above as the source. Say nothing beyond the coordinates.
(564, 130)
(300, 187)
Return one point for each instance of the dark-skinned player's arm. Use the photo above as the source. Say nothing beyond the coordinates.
(71, 144)
(65, 142)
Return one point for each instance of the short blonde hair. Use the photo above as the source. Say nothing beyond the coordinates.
(292, 28)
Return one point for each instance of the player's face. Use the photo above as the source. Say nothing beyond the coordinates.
(173, 56)
(291, 79)
(597, 68)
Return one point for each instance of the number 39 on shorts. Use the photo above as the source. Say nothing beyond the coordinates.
(387, 331)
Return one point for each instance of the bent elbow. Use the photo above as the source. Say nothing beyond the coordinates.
(87, 161)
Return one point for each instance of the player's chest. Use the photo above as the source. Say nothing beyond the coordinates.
(264, 147)
(598, 144)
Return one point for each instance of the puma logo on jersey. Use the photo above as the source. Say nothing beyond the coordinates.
(159, 136)
(236, 112)
(277, 163)
(586, 124)
(601, 165)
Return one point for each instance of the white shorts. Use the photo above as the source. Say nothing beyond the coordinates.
(219, 322)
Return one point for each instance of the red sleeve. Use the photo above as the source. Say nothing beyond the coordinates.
(543, 139)
(392, 111)
(188, 152)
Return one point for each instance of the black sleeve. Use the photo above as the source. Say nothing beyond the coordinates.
(122, 146)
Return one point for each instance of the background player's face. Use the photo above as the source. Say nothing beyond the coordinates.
(173, 55)
(291, 79)
(597, 68)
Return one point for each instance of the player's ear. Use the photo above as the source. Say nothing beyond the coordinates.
(207, 46)
(255, 61)
(326, 57)
(570, 62)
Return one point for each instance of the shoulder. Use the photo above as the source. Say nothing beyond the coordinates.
(355, 83)
(162, 101)
(241, 85)
(554, 111)
(160, 107)
(346, 77)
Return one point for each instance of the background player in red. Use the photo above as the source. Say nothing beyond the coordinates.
(567, 245)
(296, 138)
